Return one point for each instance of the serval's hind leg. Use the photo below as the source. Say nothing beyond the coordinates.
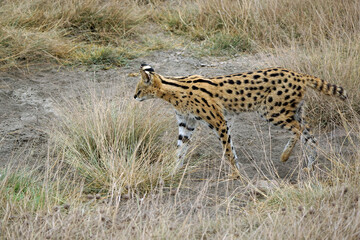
(307, 139)
(290, 146)
(309, 143)
(302, 130)
(285, 118)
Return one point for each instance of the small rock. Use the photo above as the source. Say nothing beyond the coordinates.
(125, 196)
(265, 186)
(90, 196)
(311, 211)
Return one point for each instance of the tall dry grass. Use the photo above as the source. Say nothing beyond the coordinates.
(112, 174)
(98, 186)
(38, 30)
(53, 203)
(267, 23)
(116, 146)
(314, 37)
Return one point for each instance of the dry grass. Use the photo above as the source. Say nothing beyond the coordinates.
(55, 202)
(319, 38)
(314, 37)
(59, 30)
(116, 146)
(267, 23)
(97, 185)
(110, 173)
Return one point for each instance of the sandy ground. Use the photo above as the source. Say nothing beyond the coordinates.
(28, 103)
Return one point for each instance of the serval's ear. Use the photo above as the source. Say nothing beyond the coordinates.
(146, 72)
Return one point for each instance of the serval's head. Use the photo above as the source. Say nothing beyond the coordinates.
(148, 84)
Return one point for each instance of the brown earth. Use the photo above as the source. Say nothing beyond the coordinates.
(29, 99)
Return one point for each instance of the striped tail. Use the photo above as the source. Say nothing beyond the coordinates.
(326, 88)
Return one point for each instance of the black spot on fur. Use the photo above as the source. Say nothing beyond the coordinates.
(206, 91)
(204, 100)
(274, 74)
(182, 125)
(274, 115)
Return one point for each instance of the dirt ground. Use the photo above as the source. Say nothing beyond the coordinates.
(28, 103)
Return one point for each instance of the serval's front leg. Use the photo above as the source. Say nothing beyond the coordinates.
(187, 125)
(219, 124)
(228, 149)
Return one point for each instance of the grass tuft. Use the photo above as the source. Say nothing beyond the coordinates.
(220, 45)
(116, 145)
(104, 56)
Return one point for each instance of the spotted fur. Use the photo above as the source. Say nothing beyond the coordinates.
(275, 93)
